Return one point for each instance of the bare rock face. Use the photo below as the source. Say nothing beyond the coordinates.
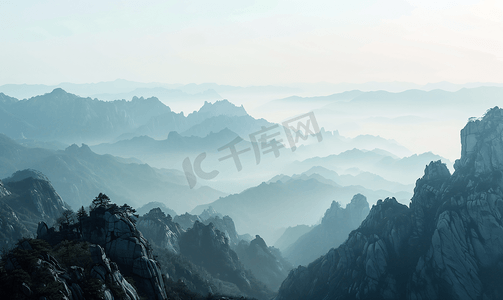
(226, 225)
(116, 233)
(160, 230)
(206, 246)
(26, 198)
(35, 195)
(482, 144)
(186, 220)
(45, 278)
(108, 271)
(447, 245)
(3, 191)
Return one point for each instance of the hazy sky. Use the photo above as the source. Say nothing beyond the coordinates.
(251, 42)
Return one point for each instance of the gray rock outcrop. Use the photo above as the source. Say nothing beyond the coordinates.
(43, 277)
(447, 245)
(160, 230)
(207, 247)
(26, 198)
(116, 233)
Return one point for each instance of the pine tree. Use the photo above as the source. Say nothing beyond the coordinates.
(81, 214)
(101, 201)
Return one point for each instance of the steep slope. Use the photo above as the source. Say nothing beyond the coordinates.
(207, 247)
(113, 229)
(30, 271)
(209, 216)
(26, 198)
(447, 245)
(266, 263)
(334, 229)
(160, 230)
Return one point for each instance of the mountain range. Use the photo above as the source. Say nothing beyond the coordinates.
(78, 174)
(301, 201)
(446, 245)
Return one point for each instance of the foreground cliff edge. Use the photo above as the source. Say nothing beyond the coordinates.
(447, 245)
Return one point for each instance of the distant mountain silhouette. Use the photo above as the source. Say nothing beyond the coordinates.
(376, 162)
(274, 205)
(290, 235)
(78, 174)
(68, 118)
(172, 149)
(334, 229)
(365, 179)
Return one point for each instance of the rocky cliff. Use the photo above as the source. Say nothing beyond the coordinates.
(26, 198)
(83, 271)
(447, 245)
(223, 223)
(113, 229)
(334, 229)
(160, 230)
(206, 246)
(266, 263)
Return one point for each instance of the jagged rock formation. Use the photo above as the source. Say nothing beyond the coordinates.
(447, 245)
(335, 226)
(147, 207)
(225, 224)
(3, 191)
(160, 230)
(266, 263)
(186, 220)
(108, 271)
(31, 272)
(26, 198)
(206, 246)
(209, 213)
(115, 231)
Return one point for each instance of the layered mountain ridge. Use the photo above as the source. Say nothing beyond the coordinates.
(446, 245)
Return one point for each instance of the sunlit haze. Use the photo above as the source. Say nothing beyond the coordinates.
(251, 42)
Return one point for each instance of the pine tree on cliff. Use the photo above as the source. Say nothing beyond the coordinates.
(101, 201)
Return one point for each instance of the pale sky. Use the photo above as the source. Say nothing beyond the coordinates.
(251, 42)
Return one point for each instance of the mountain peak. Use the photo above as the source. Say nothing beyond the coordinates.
(74, 149)
(24, 174)
(58, 91)
(436, 170)
(482, 143)
(222, 107)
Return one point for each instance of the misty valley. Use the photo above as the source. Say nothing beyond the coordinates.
(123, 190)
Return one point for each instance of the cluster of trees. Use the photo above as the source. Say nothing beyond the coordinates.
(69, 219)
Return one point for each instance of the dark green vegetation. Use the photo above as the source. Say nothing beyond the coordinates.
(94, 255)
